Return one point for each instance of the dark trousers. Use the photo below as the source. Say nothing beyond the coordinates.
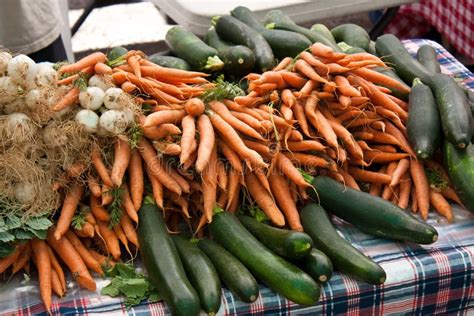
(54, 52)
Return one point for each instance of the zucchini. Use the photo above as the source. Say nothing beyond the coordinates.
(276, 19)
(460, 166)
(191, 48)
(317, 265)
(426, 55)
(352, 34)
(286, 243)
(169, 62)
(371, 48)
(237, 32)
(395, 92)
(371, 214)
(238, 60)
(454, 110)
(349, 49)
(423, 125)
(201, 273)
(394, 53)
(161, 261)
(323, 30)
(343, 255)
(116, 52)
(231, 271)
(279, 275)
(283, 43)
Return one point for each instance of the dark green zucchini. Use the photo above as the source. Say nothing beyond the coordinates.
(352, 34)
(283, 43)
(116, 52)
(201, 273)
(286, 243)
(162, 262)
(233, 273)
(279, 275)
(343, 255)
(395, 92)
(238, 59)
(191, 48)
(371, 214)
(394, 53)
(169, 62)
(453, 109)
(276, 19)
(460, 166)
(423, 125)
(237, 32)
(426, 55)
(317, 265)
(323, 30)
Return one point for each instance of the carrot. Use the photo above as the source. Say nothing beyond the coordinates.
(72, 78)
(23, 258)
(87, 230)
(111, 240)
(385, 148)
(102, 69)
(441, 205)
(56, 284)
(127, 204)
(284, 63)
(165, 116)
(403, 142)
(99, 212)
(230, 155)
(402, 167)
(422, 187)
(103, 260)
(128, 229)
(321, 50)
(122, 155)
(133, 61)
(10, 259)
(89, 60)
(449, 193)
(264, 199)
(159, 71)
(382, 157)
(157, 189)
(369, 176)
(209, 185)
(288, 168)
(286, 112)
(156, 168)
(294, 135)
(311, 161)
(162, 131)
(252, 158)
(318, 120)
(300, 116)
(96, 159)
(128, 87)
(221, 175)
(388, 190)
(93, 186)
(345, 87)
(303, 67)
(233, 187)
(288, 98)
(233, 106)
(189, 130)
(135, 173)
(68, 209)
(377, 77)
(281, 191)
(67, 100)
(293, 79)
(319, 66)
(206, 142)
(194, 107)
(43, 264)
(123, 239)
(348, 179)
(405, 190)
(238, 125)
(107, 197)
(305, 145)
(89, 261)
(56, 267)
(183, 183)
(335, 68)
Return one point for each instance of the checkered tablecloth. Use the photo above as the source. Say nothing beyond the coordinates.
(454, 19)
(421, 280)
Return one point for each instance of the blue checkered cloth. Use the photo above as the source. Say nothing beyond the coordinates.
(421, 280)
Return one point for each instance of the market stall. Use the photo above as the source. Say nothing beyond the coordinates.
(148, 158)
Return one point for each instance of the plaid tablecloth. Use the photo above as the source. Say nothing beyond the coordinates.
(421, 280)
(454, 19)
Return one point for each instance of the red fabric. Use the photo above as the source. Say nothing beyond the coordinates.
(454, 19)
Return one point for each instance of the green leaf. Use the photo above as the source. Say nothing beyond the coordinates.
(41, 234)
(6, 249)
(257, 213)
(23, 234)
(154, 296)
(136, 287)
(6, 237)
(125, 270)
(222, 90)
(13, 222)
(39, 223)
(115, 208)
(112, 289)
(78, 220)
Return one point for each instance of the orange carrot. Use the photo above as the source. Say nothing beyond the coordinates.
(238, 125)
(68, 209)
(103, 260)
(345, 87)
(87, 230)
(111, 240)
(23, 258)
(128, 229)
(89, 261)
(288, 168)
(96, 159)
(441, 205)
(10, 259)
(377, 77)
(233, 187)
(128, 204)
(303, 67)
(403, 142)
(89, 60)
(402, 167)
(73, 260)
(69, 99)
(189, 131)
(57, 267)
(321, 50)
(157, 188)
(348, 179)
(382, 157)
(284, 63)
(128, 87)
(310, 161)
(122, 155)
(43, 264)
(194, 107)
(94, 186)
(56, 284)
(137, 184)
(133, 61)
(264, 200)
(305, 145)
(281, 191)
(293, 79)
(209, 185)
(206, 142)
(162, 117)
(422, 186)
(231, 156)
(102, 69)
(389, 190)
(96, 208)
(319, 121)
(369, 176)
(405, 191)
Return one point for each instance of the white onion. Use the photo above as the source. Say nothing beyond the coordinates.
(23, 70)
(4, 60)
(17, 105)
(98, 81)
(89, 119)
(91, 98)
(46, 74)
(32, 99)
(24, 192)
(115, 99)
(8, 90)
(114, 121)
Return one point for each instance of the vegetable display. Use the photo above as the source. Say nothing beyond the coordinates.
(217, 183)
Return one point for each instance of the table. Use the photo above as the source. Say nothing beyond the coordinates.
(421, 280)
(196, 15)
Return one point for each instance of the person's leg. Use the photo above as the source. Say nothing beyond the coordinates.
(54, 52)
